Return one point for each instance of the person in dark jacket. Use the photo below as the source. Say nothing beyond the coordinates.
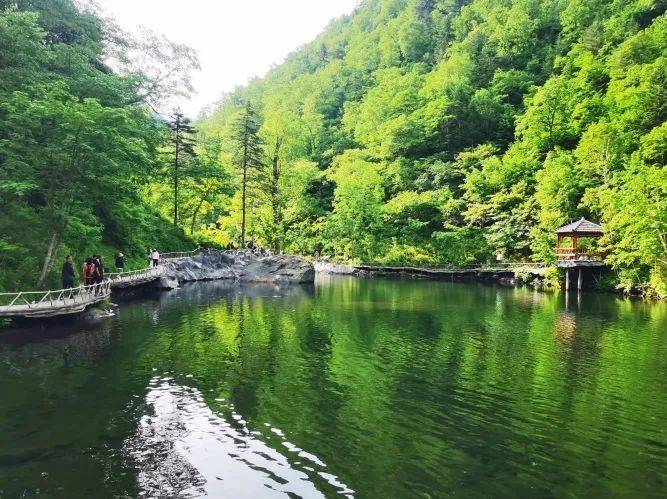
(120, 262)
(100, 268)
(67, 273)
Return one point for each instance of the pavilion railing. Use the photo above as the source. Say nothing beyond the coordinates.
(54, 298)
(577, 254)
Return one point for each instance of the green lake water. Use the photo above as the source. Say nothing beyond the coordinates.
(351, 387)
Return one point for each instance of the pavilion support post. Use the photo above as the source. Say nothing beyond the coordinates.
(580, 280)
(567, 279)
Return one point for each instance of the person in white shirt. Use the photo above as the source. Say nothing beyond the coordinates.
(156, 257)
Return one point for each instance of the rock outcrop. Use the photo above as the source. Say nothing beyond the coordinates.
(335, 268)
(203, 267)
(242, 267)
(278, 269)
(166, 282)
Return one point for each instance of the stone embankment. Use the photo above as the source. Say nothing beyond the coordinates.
(241, 267)
(507, 276)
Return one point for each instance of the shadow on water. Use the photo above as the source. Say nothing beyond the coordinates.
(368, 388)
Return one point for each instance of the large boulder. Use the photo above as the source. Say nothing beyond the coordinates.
(166, 282)
(203, 267)
(240, 266)
(335, 268)
(278, 269)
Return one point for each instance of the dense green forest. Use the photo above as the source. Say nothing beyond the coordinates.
(451, 132)
(429, 132)
(79, 142)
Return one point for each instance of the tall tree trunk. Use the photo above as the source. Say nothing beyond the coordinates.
(275, 205)
(244, 180)
(49, 258)
(176, 177)
(243, 200)
(194, 215)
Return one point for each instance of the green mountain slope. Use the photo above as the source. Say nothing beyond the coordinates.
(453, 131)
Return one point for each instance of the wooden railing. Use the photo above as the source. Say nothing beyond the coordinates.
(53, 302)
(507, 265)
(576, 254)
(130, 274)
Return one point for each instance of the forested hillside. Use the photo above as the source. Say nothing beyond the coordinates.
(451, 132)
(79, 143)
(428, 132)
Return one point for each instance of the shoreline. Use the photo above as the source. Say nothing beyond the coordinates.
(510, 276)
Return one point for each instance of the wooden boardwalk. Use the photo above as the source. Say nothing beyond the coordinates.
(40, 304)
(132, 278)
(43, 304)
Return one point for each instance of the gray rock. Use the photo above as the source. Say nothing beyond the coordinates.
(202, 267)
(335, 268)
(278, 269)
(507, 281)
(241, 266)
(97, 314)
(166, 282)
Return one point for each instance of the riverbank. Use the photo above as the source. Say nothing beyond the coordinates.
(536, 276)
(540, 277)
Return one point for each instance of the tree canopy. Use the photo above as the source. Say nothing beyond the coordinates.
(448, 132)
(78, 142)
(430, 132)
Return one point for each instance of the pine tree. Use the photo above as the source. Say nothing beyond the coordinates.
(183, 141)
(249, 155)
(274, 194)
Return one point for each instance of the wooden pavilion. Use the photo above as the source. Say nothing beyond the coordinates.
(571, 257)
(574, 231)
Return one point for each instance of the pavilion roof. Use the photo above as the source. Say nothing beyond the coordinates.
(581, 227)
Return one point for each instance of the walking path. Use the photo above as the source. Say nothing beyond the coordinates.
(120, 280)
(42, 304)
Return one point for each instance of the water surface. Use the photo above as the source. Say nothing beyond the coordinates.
(351, 387)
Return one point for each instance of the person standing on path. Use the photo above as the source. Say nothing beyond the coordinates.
(155, 256)
(98, 275)
(88, 272)
(120, 262)
(67, 273)
(100, 268)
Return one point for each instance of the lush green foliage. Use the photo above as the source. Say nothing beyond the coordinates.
(434, 132)
(453, 131)
(76, 147)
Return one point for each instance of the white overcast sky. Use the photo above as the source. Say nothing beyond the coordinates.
(235, 39)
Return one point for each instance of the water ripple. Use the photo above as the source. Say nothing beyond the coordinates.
(182, 448)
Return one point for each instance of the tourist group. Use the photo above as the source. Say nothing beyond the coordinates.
(94, 268)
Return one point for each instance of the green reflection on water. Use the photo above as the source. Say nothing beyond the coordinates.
(402, 388)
